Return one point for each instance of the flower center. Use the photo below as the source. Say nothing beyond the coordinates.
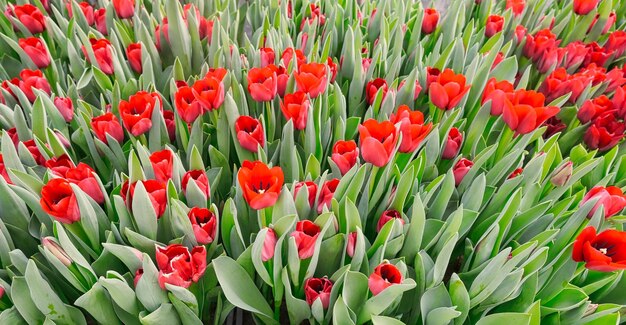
(603, 250)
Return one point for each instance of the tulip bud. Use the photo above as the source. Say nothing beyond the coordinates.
(562, 174)
(351, 246)
(384, 276)
(51, 245)
(318, 288)
(65, 107)
(269, 245)
(461, 169)
(138, 275)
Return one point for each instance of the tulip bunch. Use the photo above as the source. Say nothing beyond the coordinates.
(348, 162)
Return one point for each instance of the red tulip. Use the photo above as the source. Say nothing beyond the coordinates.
(417, 89)
(378, 141)
(318, 288)
(384, 276)
(575, 54)
(305, 235)
(124, 8)
(460, 169)
(204, 225)
(65, 106)
(372, 88)
(604, 252)
(559, 83)
(136, 113)
(3, 171)
(550, 59)
(332, 66)
(156, 192)
(311, 78)
(33, 79)
(593, 108)
(610, 21)
(101, 21)
(59, 201)
(133, 53)
(269, 245)
(267, 56)
(83, 176)
(619, 101)
(453, 144)
(107, 124)
(161, 31)
(598, 55)
(494, 25)
(138, 275)
(162, 163)
(448, 90)
(198, 176)
(178, 266)
(611, 198)
(250, 133)
(316, 14)
(616, 42)
(187, 106)
(554, 125)
(260, 184)
(412, 128)
(209, 92)
(351, 245)
(170, 125)
(387, 216)
(345, 155)
(31, 146)
(311, 189)
(36, 50)
(59, 165)
(516, 172)
(86, 8)
(103, 53)
(29, 15)
(326, 194)
(517, 6)
(537, 45)
(583, 7)
(295, 107)
(498, 92)
(281, 79)
(520, 33)
(430, 20)
(288, 55)
(605, 132)
(526, 111)
(216, 73)
(262, 84)
(615, 79)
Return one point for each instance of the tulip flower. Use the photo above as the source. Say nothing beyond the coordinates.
(269, 245)
(170, 125)
(604, 252)
(262, 84)
(65, 106)
(250, 133)
(103, 53)
(124, 8)
(583, 7)
(412, 128)
(136, 113)
(550, 59)
(593, 108)
(517, 6)
(178, 266)
(326, 194)
(318, 288)
(384, 276)
(540, 43)
(345, 155)
(616, 43)
(559, 83)
(3, 170)
(107, 124)
(50, 244)
(494, 25)
(387, 216)
(575, 53)
(561, 175)
(281, 79)
(372, 88)
(33, 79)
(31, 146)
(83, 176)
(199, 177)
(599, 55)
(520, 33)
(378, 141)
(59, 165)
(36, 50)
(351, 245)
(133, 53)
(187, 106)
(162, 164)
(59, 201)
(209, 92)
(498, 92)
(447, 90)
(204, 225)
(267, 56)
(311, 189)
(430, 20)
(611, 198)
(288, 55)
(553, 125)
(460, 169)
(605, 132)
(86, 8)
(311, 78)
(295, 107)
(260, 184)
(526, 111)
(305, 235)
(453, 144)
(156, 192)
(101, 21)
(516, 172)
(332, 66)
(29, 15)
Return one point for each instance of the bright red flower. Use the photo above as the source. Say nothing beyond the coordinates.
(311, 189)
(460, 169)
(412, 128)
(59, 165)
(345, 155)
(611, 198)
(33, 79)
(527, 111)
(550, 59)
(107, 124)
(133, 53)
(217, 73)
(59, 201)
(288, 55)
(372, 88)
(318, 288)
(616, 42)
(583, 7)
(326, 194)
(3, 171)
(385, 275)
(311, 78)
(136, 113)
(267, 56)
(593, 108)
(575, 54)
(101, 21)
(332, 66)
(520, 33)
(199, 178)
(86, 8)
(29, 15)
(448, 90)
(156, 191)
(65, 106)
(250, 133)
(36, 50)
(170, 125)
(387, 216)
(204, 224)
(178, 266)
(209, 92)
(605, 132)
(498, 92)
(305, 235)
(34, 151)
(295, 107)
(83, 176)
(604, 252)
(187, 106)
(260, 184)
(559, 83)
(262, 84)
(540, 43)
(162, 163)
(598, 55)
(430, 20)
(124, 8)
(494, 25)
(378, 141)
(103, 53)
(281, 79)
(516, 172)
(517, 6)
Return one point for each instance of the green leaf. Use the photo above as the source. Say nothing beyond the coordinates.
(505, 318)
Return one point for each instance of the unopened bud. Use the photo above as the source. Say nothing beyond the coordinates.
(51, 245)
(562, 174)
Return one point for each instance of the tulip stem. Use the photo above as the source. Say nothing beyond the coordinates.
(262, 218)
(506, 138)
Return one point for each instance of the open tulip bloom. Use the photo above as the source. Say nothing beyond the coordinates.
(313, 162)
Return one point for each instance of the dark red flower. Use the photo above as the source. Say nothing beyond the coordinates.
(384, 276)
(33, 79)
(604, 252)
(29, 15)
(378, 141)
(412, 128)
(460, 169)
(516, 172)
(295, 107)
(59, 201)
(387, 216)
(59, 165)
(550, 59)
(575, 54)
(611, 198)
(448, 90)
(178, 266)
(305, 235)
(262, 84)
(204, 224)
(554, 126)
(36, 50)
(162, 163)
(170, 125)
(527, 111)
(311, 188)
(494, 25)
(260, 184)
(605, 132)
(136, 113)
(65, 107)
(250, 133)
(430, 20)
(124, 8)
(107, 124)
(318, 288)
(345, 155)
(34, 151)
